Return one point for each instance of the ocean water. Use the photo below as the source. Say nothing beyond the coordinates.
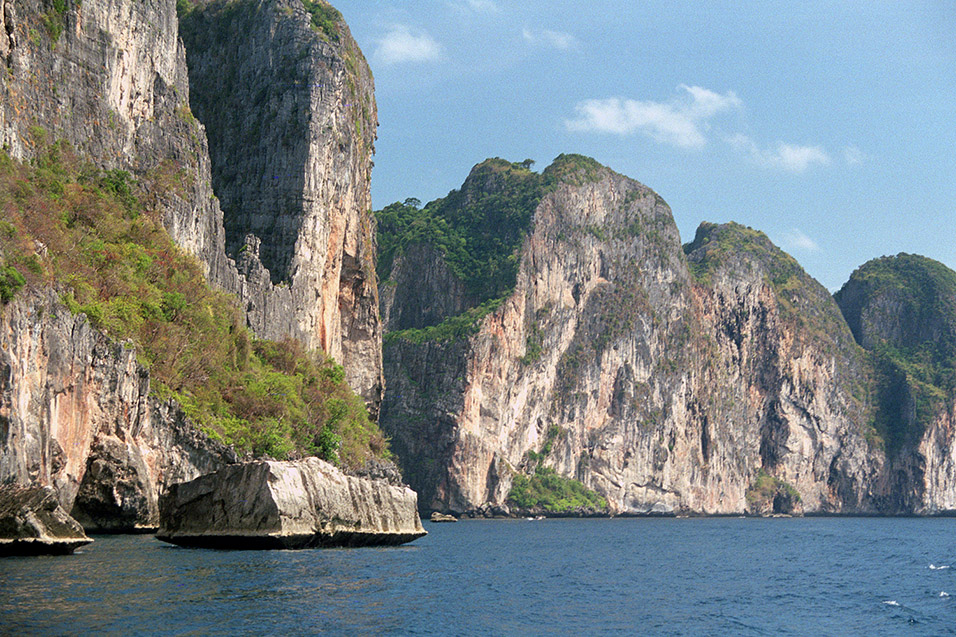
(723, 576)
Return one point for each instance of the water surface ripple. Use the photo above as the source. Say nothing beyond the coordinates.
(846, 576)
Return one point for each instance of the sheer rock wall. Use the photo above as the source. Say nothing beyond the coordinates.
(668, 380)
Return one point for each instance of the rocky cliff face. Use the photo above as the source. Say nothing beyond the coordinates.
(287, 100)
(75, 414)
(290, 110)
(110, 79)
(421, 290)
(784, 371)
(720, 381)
(902, 309)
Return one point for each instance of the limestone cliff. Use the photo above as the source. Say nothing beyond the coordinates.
(76, 415)
(717, 378)
(287, 101)
(297, 123)
(110, 78)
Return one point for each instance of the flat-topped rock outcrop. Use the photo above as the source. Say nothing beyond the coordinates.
(32, 522)
(287, 505)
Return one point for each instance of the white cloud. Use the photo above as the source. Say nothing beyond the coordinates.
(797, 240)
(553, 39)
(853, 155)
(401, 44)
(789, 157)
(682, 121)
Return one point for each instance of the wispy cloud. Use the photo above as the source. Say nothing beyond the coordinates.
(681, 121)
(853, 155)
(473, 6)
(402, 44)
(789, 157)
(795, 239)
(482, 5)
(552, 39)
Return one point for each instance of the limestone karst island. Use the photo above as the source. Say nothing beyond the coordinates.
(207, 332)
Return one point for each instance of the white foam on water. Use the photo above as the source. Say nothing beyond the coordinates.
(943, 594)
(891, 602)
(933, 567)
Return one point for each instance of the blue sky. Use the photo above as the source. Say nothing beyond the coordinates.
(829, 126)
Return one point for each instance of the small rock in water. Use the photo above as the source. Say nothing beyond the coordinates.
(33, 523)
(287, 505)
(438, 516)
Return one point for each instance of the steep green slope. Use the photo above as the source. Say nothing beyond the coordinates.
(902, 309)
(478, 230)
(96, 236)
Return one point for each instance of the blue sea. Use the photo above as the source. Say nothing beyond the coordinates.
(716, 576)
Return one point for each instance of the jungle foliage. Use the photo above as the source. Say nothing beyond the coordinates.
(96, 235)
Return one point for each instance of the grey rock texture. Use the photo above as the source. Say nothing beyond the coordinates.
(290, 114)
(303, 504)
(667, 382)
(427, 290)
(76, 415)
(32, 522)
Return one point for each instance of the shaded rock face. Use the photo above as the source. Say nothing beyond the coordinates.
(905, 301)
(76, 415)
(292, 122)
(290, 114)
(666, 379)
(32, 522)
(425, 287)
(303, 504)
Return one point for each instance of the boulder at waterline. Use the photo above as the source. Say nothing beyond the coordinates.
(32, 522)
(438, 516)
(287, 505)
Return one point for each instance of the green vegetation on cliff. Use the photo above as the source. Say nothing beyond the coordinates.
(94, 235)
(769, 494)
(553, 493)
(714, 245)
(324, 18)
(903, 310)
(479, 230)
(452, 328)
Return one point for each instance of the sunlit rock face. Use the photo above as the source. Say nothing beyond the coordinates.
(290, 114)
(76, 415)
(714, 378)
